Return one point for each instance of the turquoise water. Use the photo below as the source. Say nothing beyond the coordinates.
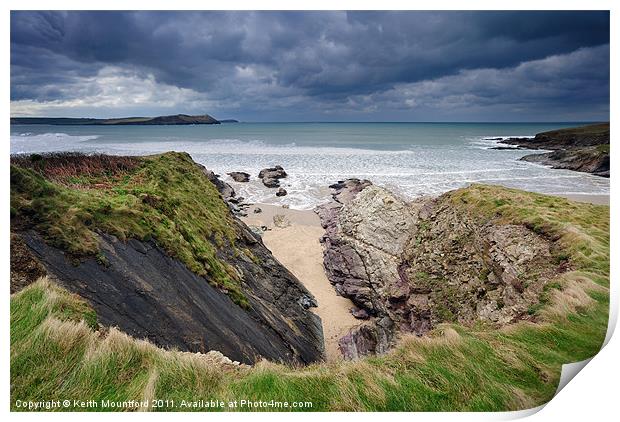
(412, 159)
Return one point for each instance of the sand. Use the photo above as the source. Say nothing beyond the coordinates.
(592, 199)
(297, 247)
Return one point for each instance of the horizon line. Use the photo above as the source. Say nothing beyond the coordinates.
(351, 121)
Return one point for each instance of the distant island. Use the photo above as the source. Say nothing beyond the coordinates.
(177, 119)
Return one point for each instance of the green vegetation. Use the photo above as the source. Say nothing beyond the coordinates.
(455, 368)
(598, 129)
(69, 198)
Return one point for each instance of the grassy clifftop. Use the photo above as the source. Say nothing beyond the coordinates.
(454, 368)
(69, 198)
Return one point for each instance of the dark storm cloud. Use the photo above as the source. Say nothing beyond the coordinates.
(246, 61)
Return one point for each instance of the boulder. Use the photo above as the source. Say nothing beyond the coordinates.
(239, 176)
(281, 192)
(271, 176)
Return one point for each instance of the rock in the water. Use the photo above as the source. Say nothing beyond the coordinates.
(281, 192)
(271, 176)
(239, 176)
(257, 210)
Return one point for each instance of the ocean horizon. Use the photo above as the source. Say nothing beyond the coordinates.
(413, 159)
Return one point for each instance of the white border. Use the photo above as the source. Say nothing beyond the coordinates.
(592, 394)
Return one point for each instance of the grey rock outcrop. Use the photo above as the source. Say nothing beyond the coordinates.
(271, 176)
(239, 176)
(411, 266)
(584, 149)
(367, 229)
(235, 203)
(593, 160)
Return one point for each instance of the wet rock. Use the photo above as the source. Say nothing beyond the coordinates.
(156, 297)
(308, 302)
(239, 176)
(271, 176)
(257, 210)
(281, 192)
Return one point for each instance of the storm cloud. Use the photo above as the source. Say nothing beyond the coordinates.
(483, 66)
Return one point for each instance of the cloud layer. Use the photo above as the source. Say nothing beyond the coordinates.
(313, 65)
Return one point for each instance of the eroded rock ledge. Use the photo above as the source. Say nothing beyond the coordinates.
(411, 266)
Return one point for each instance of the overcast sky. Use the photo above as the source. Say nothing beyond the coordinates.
(313, 66)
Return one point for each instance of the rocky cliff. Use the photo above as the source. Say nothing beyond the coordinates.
(593, 159)
(584, 149)
(411, 266)
(153, 247)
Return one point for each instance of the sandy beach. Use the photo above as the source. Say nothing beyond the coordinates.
(297, 247)
(591, 199)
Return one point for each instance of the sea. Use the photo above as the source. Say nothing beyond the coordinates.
(411, 159)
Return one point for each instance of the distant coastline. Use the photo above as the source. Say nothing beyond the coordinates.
(177, 119)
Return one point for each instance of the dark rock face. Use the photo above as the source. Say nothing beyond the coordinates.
(271, 176)
(25, 269)
(228, 194)
(148, 294)
(225, 190)
(281, 192)
(410, 266)
(584, 149)
(588, 160)
(239, 176)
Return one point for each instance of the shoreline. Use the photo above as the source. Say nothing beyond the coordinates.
(295, 244)
(595, 199)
